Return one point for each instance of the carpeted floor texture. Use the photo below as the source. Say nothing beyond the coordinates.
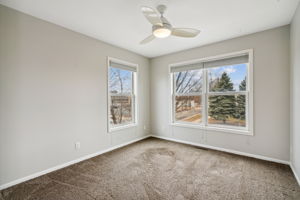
(158, 169)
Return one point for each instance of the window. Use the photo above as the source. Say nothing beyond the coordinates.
(122, 94)
(188, 96)
(214, 93)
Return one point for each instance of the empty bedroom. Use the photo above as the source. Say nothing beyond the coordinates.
(149, 100)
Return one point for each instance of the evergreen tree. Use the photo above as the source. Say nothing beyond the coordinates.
(222, 107)
(241, 101)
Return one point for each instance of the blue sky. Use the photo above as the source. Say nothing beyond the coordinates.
(236, 73)
(126, 77)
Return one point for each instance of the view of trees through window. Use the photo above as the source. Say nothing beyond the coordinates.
(226, 95)
(188, 99)
(188, 109)
(121, 96)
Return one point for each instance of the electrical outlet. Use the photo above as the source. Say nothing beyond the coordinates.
(145, 127)
(77, 145)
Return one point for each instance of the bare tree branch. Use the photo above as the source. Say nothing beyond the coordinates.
(181, 82)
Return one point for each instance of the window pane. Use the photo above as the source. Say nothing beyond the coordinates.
(120, 81)
(121, 110)
(188, 81)
(188, 109)
(227, 110)
(227, 78)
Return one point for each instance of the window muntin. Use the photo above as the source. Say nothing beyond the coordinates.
(224, 92)
(121, 95)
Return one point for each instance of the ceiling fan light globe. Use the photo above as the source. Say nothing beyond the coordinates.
(162, 32)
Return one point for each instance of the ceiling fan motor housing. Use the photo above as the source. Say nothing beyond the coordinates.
(161, 31)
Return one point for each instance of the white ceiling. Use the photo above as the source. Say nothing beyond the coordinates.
(120, 22)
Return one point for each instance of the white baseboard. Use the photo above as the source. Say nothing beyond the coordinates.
(225, 150)
(295, 173)
(35, 175)
(235, 152)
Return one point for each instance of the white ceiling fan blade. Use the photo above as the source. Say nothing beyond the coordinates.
(185, 32)
(147, 39)
(151, 15)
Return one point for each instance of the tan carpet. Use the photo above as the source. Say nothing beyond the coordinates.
(158, 169)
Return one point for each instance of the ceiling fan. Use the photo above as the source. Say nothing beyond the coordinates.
(161, 26)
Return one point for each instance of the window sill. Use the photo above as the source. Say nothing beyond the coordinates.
(218, 129)
(117, 128)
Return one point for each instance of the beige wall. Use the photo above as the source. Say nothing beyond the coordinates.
(271, 95)
(295, 92)
(53, 94)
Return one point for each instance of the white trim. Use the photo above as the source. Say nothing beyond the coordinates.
(225, 150)
(250, 88)
(123, 126)
(171, 97)
(204, 101)
(295, 174)
(228, 93)
(49, 170)
(249, 129)
(35, 175)
(134, 95)
(223, 129)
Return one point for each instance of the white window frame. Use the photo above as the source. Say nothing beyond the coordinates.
(248, 130)
(112, 128)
